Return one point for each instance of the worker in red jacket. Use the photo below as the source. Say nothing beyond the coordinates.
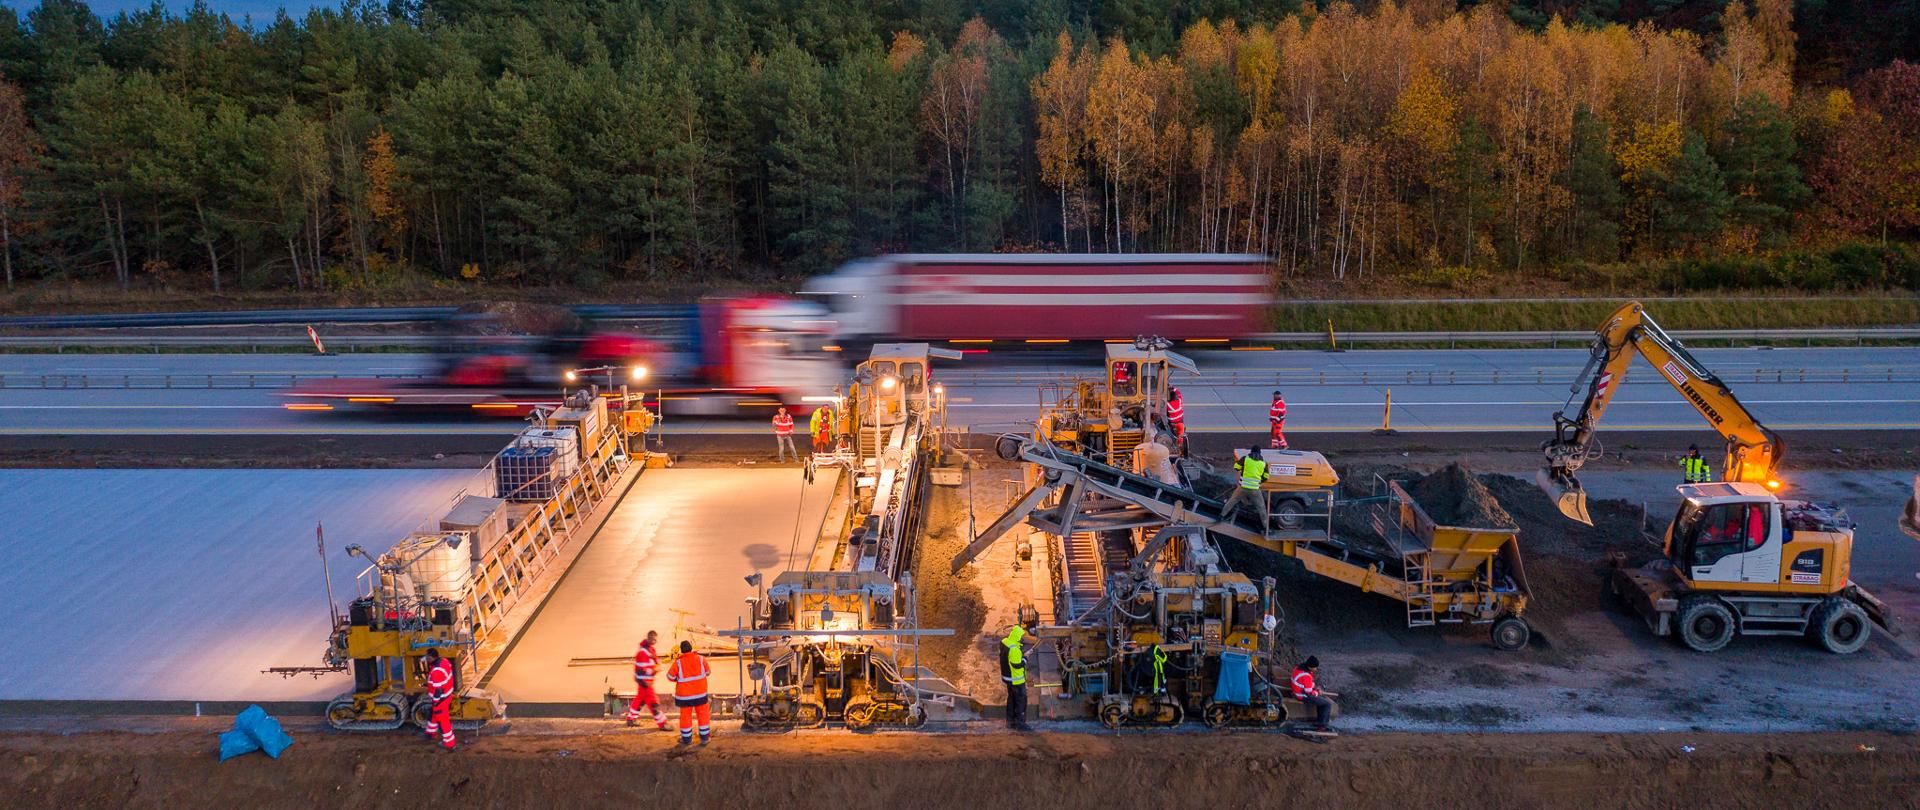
(646, 663)
(440, 691)
(689, 675)
(1177, 418)
(1277, 418)
(783, 436)
(1306, 691)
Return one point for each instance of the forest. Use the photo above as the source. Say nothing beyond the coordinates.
(573, 143)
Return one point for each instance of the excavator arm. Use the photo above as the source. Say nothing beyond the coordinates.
(1753, 451)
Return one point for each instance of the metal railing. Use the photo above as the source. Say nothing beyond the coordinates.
(156, 381)
(1013, 379)
(355, 343)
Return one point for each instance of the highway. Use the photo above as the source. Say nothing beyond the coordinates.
(1432, 390)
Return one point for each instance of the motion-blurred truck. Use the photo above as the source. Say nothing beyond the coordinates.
(1045, 298)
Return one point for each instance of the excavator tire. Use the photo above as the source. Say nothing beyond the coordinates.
(1706, 624)
(1840, 626)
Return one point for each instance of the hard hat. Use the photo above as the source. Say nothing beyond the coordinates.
(1276, 393)
(1693, 448)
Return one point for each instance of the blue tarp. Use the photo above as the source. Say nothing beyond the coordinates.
(254, 731)
(1234, 686)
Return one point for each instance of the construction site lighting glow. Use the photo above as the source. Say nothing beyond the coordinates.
(1046, 340)
(888, 382)
(639, 373)
(572, 375)
(1206, 340)
(829, 348)
(369, 399)
(487, 405)
(971, 340)
(309, 406)
(1773, 484)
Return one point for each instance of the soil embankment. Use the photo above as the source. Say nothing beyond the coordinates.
(933, 771)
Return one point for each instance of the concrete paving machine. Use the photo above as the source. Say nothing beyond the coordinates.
(386, 633)
(1737, 558)
(1109, 417)
(838, 641)
(832, 646)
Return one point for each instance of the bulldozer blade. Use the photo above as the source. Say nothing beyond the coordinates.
(1571, 500)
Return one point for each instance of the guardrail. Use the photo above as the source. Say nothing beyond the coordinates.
(356, 343)
(278, 317)
(1582, 337)
(1244, 378)
(116, 381)
(1017, 379)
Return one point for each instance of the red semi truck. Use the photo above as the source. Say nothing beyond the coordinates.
(1046, 298)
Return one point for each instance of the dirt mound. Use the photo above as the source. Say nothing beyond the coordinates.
(937, 771)
(1452, 496)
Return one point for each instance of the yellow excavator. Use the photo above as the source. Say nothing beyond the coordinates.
(1753, 451)
(1738, 560)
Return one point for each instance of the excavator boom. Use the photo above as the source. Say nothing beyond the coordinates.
(1753, 451)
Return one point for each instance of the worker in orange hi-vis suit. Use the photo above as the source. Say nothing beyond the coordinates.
(440, 691)
(646, 663)
(1177, 418)
(689, 675)
(1277, 418)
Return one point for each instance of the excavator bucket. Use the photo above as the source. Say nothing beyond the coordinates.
(1910, 516)
(1568, 496)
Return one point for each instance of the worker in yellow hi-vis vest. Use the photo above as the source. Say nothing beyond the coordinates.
(1693, 468)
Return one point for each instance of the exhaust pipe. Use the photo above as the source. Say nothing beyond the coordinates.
(1567, 495)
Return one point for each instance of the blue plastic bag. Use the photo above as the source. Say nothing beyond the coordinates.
(1234, 686)
(253, 731)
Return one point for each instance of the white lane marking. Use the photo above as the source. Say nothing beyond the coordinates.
(93, 369)
(155, 406)
(1414, 403)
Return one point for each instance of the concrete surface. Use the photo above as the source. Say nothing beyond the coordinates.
(684, 539)
(184, 584)
(988, 390)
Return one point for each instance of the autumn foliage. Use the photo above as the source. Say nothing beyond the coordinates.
(696, 140)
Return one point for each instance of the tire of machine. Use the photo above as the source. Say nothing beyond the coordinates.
(1113, 716)
(1290, 513)
(1706, 624)
(1840, 626)
(1511, 633)
(1007, 448)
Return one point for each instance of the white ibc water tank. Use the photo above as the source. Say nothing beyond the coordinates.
(439, 570)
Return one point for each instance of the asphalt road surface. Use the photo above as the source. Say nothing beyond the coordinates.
(1432, 391)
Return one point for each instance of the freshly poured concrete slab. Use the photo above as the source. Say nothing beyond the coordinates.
(185, 584)
(684, 539)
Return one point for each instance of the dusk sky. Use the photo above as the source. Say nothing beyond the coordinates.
(259, 9)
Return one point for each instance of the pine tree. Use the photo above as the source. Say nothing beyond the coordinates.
(1594, 181)
(1757, 156)
(807, 194)
(1693, 203)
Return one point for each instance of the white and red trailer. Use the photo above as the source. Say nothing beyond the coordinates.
(1047, 297)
